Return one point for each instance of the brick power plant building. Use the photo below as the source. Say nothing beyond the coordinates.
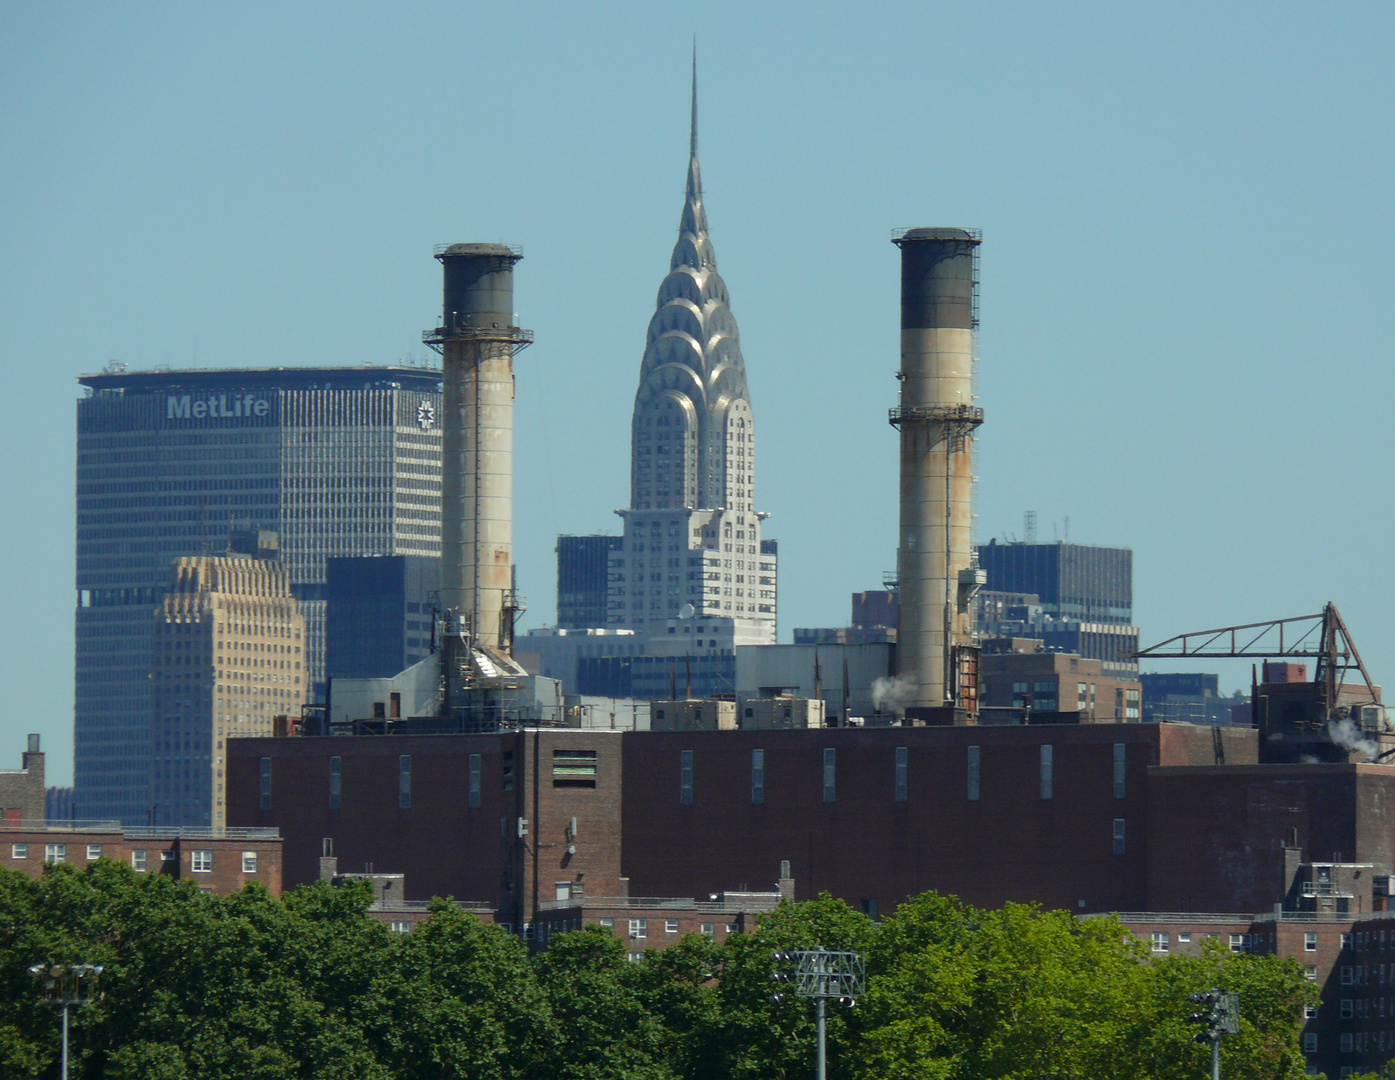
(663, 833)
(1276, 836)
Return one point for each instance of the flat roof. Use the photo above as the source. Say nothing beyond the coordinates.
(363, 377)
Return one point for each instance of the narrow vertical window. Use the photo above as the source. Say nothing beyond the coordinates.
(474, 781)
(1046, 770)
(902, 760)
(1119, 751)
(830, 774)
(685, 777)
(1118, 836)
(757, 777)
(973, 773)
(266, 784)
(334, 782)
(404, 781)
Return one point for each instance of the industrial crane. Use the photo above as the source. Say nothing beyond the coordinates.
(1324, 637)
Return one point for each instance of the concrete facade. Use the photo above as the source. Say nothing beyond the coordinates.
(228, 655)
(936, 418)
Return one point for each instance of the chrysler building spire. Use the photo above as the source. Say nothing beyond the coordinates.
(692, 473)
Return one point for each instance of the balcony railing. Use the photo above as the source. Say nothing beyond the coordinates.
(142, 832)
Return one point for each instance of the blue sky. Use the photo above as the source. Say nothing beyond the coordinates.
(1186, 266)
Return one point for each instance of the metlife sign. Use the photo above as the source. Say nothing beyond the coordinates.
(236, 406)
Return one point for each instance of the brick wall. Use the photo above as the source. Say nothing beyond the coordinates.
(213, 864)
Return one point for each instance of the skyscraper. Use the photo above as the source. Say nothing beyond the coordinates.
(378, 613)
(582, 580)
(227, 655)
(692, 560)
(338, 461)
(1073, 597)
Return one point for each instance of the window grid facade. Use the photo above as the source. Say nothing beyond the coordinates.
(337, 461)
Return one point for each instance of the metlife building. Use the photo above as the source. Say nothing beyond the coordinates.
(338, 461)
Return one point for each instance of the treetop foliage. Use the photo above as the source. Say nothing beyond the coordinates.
(310, 987)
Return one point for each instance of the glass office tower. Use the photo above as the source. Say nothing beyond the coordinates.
(336, 461)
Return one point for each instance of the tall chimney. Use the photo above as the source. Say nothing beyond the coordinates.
(478, 340)
(937, 418)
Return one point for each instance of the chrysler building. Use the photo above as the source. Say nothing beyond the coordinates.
(693, 570)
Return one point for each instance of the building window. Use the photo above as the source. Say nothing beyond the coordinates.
(1348, 1008)
(475, 764)
(266, 784)
(1184, 938)
(1348, 1046)
(1310, 1043)
(94, 851)
(334, 783)
(138, 860)
(830, 774)
(639, 928)
(708, 929)
(201, 861)
(757, 777)
(249, 862)
(55, 853)
(1310, 942)
(1118, 836)
(1240, 942)
(609, 924)
(400, 926)
(869, 906)
(670, 926)
(404, 781)
(1346, 941)
(564, 890)
(1310, 972)
(732, 928)
(1347, 975)
(1162, 941)
(685, 777)
(19, 851)
(1310, 1011)
(1120, 749)
(574, 768)
(973, 774)
(902, 763)
(1046, 770)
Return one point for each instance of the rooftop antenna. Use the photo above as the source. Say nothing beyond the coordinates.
(1065, 528)
(1029, 527)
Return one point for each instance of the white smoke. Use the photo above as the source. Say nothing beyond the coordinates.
(1346, 734)
(892, 694)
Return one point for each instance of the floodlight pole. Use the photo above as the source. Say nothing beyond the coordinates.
(66, 985)
(1216, 1057)
(821, 974)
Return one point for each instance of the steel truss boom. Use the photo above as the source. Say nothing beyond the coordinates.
(1324, 636)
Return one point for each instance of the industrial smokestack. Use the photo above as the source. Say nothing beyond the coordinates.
(937, 418)
(478, 340)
